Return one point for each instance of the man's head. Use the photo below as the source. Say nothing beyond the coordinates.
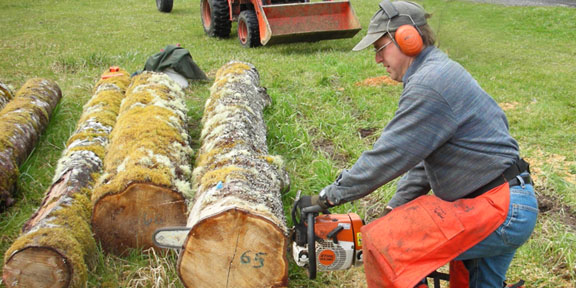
(402, 24)
(393, 15)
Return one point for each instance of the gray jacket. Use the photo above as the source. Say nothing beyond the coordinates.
(447, 135)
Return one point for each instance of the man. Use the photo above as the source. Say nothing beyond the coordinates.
(449, 136)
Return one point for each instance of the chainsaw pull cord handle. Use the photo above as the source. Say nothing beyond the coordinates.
(311, 247)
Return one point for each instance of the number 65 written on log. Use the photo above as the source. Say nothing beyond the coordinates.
(247, 258)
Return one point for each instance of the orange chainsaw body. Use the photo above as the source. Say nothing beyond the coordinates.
(339, 242)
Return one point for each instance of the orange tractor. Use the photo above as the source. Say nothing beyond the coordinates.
(264, 22)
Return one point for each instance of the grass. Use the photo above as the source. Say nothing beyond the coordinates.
(525, 57)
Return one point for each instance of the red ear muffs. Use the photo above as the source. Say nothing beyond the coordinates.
(409, 40)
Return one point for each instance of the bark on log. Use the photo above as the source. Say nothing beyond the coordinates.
(238, 235)
(147, 167)
(21, 122)
(5, 95)
(56, 246)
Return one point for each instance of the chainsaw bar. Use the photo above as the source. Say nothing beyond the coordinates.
(171, 237)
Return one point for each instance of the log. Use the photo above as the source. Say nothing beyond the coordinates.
(145, 185)
(21, 122)
(238, 228)
(5, 95)
(56, 246)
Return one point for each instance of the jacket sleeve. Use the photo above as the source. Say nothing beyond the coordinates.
(411, 186)
(423, 122)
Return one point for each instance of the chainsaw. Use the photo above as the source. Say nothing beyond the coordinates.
(331, 242)
(325, 241)
(320, 241)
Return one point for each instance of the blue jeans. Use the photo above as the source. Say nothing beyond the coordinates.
(488, 261)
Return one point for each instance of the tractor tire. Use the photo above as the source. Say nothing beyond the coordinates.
(164, 5)
(248, 30)
(215, 16)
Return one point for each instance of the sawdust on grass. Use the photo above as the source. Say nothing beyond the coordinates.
(378, 82)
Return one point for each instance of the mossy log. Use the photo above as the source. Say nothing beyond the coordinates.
(56, 246)
(5, 95)
(238, 229)
(145, 185)
(21, 123)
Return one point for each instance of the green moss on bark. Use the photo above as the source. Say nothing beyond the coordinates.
(68, 233)
(149, 143)
(63, 222)
(21, 122)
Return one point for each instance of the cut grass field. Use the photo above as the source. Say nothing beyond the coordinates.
(321, 118)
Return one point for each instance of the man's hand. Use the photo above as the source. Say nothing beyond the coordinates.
(314, 200)
(387, 210)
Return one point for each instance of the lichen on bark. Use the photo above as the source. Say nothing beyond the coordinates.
(146, 179)
(233, 161)
(150, 142)
(5, 94)
(238, 188)
(22, 121)
(62, 222)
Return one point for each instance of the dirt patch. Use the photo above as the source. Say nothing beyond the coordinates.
(550, 205)
(557, 163)
(378, 81)
(366, 132)
(508, 105)
(541, 163)
(373, 206)
(328, 148)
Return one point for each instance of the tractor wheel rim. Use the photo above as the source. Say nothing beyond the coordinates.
(206, 14)
(242, 32)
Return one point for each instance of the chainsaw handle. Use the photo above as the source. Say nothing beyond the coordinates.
(313, 210)
(316, 209)
(311, 247)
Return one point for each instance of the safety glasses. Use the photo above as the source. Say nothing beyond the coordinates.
(376, 50)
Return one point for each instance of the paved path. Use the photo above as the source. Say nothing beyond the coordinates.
(565, 3)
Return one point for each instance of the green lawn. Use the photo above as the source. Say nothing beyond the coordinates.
(525, 57)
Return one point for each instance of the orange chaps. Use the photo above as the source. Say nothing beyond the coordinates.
(417, 238)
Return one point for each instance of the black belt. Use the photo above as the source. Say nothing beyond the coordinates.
(509, 175)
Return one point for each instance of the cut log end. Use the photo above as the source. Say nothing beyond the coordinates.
(247, 250)
(37, 267)
(130, 218)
